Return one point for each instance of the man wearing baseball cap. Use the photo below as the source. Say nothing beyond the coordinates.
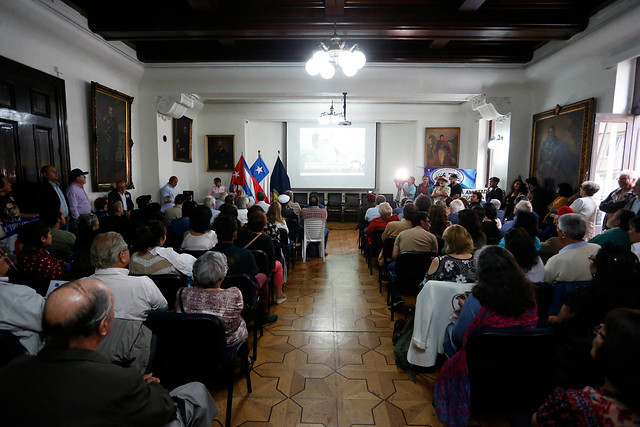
(78, 200)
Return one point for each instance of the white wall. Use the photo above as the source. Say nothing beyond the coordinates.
(32, 35)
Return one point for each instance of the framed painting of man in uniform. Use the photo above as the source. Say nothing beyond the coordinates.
(112, 138)
(442, 147)
(561, 144)
(220, 153)
(182, 129)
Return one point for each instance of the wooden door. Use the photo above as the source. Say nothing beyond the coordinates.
(33, 127)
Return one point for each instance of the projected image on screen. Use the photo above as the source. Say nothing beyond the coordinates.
(332, 151)
(325, 157)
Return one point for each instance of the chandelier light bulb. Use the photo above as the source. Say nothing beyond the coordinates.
(359, 59)
(345, 59)
(312, 67)
(327, 71)
(321, 57)
(349, 71)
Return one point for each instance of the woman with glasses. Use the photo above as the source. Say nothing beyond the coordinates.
(616, 351)
(207, 296)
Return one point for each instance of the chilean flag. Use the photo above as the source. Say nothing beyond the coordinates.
(261, 173)
(242, 176)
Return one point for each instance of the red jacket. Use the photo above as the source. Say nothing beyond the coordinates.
(378, 222)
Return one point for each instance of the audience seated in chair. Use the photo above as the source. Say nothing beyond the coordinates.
(151, 258)
(571, 264)
(21, 312)
(200, 236)
(315, 211)
(417, 238)
(241, 261)
(34, 257)
(253, 237)
(134, 296)
(618, 229)
(117, 221)
(275, 221)
(68, 382)
(518, 241)
(491, 224)
(381, 221)
(373, 211)
(62, 241)
(615, 273)
(180, 226)
(616, 351)
(472, 222)
(457, 265)
(207, 296)
(503, 298)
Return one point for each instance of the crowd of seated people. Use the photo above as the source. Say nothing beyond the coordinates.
(546, 243)
(604, 261)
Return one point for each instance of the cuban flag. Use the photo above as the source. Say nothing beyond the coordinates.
(242, 176)
(260, 172)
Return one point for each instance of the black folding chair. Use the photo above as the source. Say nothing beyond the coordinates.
(411, 267)
(510, 370)
(387, 252)
(373, 250)
(169, 285)
(193, 347)
(251, 300)
(262, 261)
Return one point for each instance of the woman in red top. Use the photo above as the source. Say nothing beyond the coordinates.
(34, 258)
(381, 221)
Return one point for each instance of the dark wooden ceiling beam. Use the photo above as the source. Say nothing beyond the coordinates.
(352, 32)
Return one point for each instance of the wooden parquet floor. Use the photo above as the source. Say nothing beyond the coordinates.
(328, 360)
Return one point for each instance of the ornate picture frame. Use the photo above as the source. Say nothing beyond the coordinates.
(561, 143)
(442, 147)
(220, 153)
(182, 137)
(112, 141)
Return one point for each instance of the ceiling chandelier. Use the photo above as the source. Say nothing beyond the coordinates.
(332, 53)
(334, 117)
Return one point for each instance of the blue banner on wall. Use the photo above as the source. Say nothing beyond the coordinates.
(466, 177)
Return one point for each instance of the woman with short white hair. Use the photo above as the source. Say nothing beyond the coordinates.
(587, 206)
(386, 216)
(207, 297)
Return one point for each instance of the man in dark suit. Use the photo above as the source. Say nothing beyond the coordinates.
(121, 194)
(69, 383)
(51, 198)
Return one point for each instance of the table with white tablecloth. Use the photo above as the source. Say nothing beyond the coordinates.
(433, 313)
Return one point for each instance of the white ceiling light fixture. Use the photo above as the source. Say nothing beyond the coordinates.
(335, 52)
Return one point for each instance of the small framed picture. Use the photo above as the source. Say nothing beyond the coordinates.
(220, 153)
(182, 128)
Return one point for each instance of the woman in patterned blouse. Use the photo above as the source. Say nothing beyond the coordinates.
(458, 264)
(207, 296)
(34, 258)
(616, 350)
